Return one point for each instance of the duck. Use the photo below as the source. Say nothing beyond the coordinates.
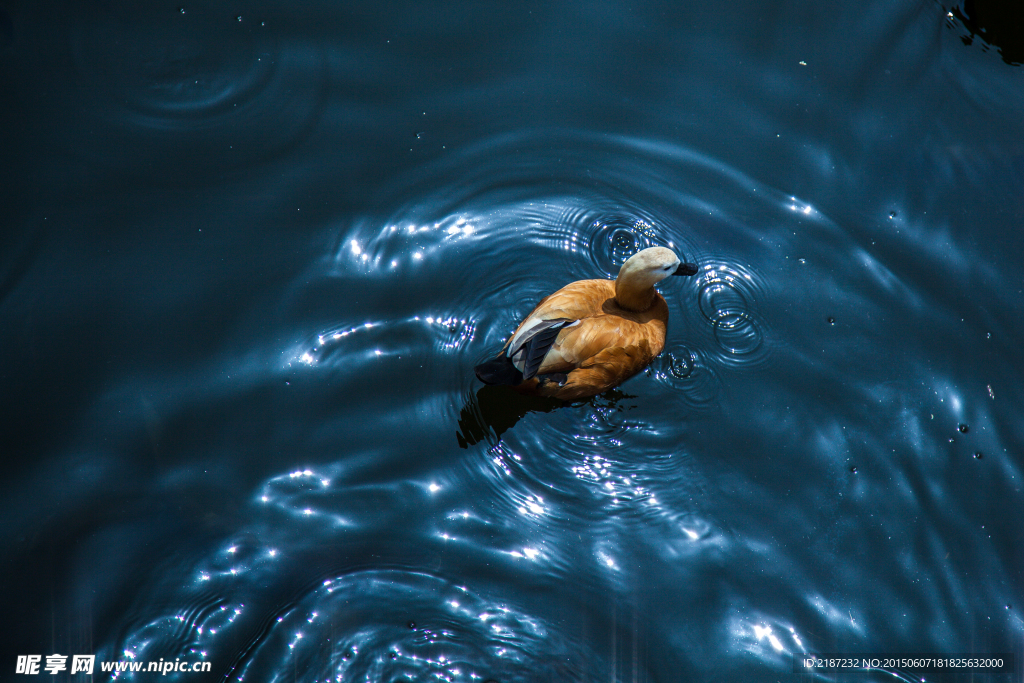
(590, 335)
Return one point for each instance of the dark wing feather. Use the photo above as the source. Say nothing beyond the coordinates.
(532, 348)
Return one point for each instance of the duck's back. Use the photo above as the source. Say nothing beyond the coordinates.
(606, 334)
(580, 299)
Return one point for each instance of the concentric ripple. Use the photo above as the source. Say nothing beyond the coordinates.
(491, 238)
(690, 373)
(394, 627)
(727, 298)
(608, 233)
(198, 76)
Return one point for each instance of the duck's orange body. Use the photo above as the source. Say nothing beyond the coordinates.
(590, 335)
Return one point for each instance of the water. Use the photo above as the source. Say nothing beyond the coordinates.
(254, 251)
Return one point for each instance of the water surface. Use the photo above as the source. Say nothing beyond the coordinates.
(254, 252)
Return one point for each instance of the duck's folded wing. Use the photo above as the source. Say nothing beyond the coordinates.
(527, 350)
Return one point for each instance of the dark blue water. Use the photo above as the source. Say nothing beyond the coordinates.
(252, 252)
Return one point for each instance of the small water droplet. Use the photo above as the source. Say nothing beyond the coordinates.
(239, 17)
(348, 654)
(393, 655)
(892, 214)
(831, 320)
(419, 136)
(977, 455)
(964, 429)
(181, 9)
(853, 470)
(412, 625)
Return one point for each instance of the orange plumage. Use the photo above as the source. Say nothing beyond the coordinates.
(591, 335)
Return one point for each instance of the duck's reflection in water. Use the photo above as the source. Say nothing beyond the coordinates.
(493, 410)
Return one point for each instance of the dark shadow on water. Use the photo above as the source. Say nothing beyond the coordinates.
(494, 410)
(999, 23)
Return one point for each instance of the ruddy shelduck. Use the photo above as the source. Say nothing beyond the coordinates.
(590, 335)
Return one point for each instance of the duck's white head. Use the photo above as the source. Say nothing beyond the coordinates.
(634, 287)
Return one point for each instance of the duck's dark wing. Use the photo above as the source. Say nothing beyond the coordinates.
(529, 350)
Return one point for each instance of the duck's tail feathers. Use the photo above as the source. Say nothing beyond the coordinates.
(499, 370)
(531, 347)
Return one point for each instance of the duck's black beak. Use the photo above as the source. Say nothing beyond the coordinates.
(686, 269)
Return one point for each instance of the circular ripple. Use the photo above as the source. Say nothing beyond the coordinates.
(690, 374)
(490, 238)
(726, 298)
(393, 627)
(680, 365)
(608, 231)
(622, 468)
(199, 78)
(185, 68)
(721, 302)
(740, 335)
(615, 238)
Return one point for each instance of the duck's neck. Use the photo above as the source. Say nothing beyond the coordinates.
(634, 298)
